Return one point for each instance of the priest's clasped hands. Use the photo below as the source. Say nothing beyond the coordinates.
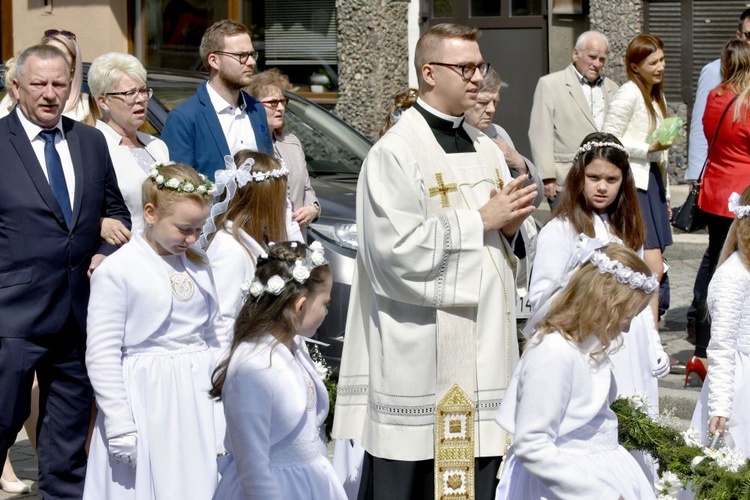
(507, 209)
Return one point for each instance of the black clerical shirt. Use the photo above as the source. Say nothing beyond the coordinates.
(452, 138)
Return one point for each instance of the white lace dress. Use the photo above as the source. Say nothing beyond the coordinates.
(275, 404)
(724, 392)
(564, 433)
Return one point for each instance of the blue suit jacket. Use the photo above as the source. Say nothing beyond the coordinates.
(43, 263)
(194, 136)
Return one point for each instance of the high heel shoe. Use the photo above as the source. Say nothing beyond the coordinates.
(13, 486)
(695, 365)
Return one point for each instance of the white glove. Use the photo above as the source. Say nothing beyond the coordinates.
(660, 368)
(123, 449)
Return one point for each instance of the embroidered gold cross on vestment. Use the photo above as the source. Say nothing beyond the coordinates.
(443, 189)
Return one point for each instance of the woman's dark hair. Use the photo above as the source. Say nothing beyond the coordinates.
(624, 212)
(270, 313)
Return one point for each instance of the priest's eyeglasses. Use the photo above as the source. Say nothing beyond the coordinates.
(240, 57)
(131, 95)
(467, 70)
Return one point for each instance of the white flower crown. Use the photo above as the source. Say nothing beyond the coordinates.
(205, 188)
(738, 210)
(595, 144)
(623, 273)
(300, 272)
(276, 173)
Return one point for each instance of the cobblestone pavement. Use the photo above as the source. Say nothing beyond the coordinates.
(684, 258)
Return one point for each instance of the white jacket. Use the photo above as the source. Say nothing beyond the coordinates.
(130, 175)
(729, 305)
(628, 119)
(130, 301)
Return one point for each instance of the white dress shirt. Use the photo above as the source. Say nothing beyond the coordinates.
(234, 123)
(595, 97)
(61, 145)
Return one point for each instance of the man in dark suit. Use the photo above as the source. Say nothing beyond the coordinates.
(58, 182)
(220, 119)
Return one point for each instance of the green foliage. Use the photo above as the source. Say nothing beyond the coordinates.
(637, 431)
(322, 366)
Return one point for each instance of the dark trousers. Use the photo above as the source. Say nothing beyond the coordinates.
(396, 480)
(65, 398)
(718, 228)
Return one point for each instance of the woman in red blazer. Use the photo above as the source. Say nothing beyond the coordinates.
(727, 168)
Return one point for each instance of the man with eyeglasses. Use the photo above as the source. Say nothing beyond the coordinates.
(432, 310)
(568, 105)
(220, 119)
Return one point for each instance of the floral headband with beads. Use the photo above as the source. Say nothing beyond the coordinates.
(205, 188)
(595, 144)
(738, 210)
(300, 272)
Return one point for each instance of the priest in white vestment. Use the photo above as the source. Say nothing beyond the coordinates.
(433, 298)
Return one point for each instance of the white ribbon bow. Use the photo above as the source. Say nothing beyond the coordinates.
(229, 179)
(734, 206)
(240, 175)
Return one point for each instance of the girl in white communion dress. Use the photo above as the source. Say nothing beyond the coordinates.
(153, 342)
(274, 401)
(558, 403)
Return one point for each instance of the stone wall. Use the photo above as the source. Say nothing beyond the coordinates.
(621, 20)
(373, 54)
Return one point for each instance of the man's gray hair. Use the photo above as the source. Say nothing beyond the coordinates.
(586, 36)
(44, 52)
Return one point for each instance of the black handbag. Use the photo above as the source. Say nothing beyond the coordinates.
(688, 217)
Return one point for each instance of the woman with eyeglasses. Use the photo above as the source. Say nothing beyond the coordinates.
(118, 84)
(268, 87)
(77, 106)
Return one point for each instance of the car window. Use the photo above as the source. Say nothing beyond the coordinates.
(331, 147)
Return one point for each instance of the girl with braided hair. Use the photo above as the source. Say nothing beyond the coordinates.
(274, 401)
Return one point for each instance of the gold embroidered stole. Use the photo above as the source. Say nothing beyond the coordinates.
(456, 336)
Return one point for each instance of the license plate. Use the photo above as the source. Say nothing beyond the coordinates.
(523, 307)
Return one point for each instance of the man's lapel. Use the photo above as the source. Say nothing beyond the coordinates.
(33, 168)
(211, 121)
(76, 156)
(574, 87)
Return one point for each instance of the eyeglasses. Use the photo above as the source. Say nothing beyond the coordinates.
(130, 96)
(745, 35)
(65, 33)
(467, 70)
(241, 57)
(274, 103)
